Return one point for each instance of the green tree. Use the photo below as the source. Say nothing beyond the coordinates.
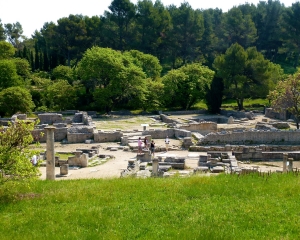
(152, 24)
(209, 39)
(71, 38)
(6, 50)
(214, 95)
(245, 73)
(291, 33)
(15, 153)
(149, 63)
(8, 74)
(230, 66)
(23, 67)
(188, 28)
(122, 13)
(267, 20)
(15, 99)
(14, 33)
(153, 95)
(2, 32)
(185, 86)
(111, 78)
(238, 28)
(61, 95)
(63, 72)
(286, 96)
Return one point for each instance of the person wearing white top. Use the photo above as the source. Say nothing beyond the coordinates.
(167, 141)
(34, 160)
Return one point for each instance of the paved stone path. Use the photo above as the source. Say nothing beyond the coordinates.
(113, 167)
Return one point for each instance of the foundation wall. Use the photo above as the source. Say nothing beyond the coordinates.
(101, 136)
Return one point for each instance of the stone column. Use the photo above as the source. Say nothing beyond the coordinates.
(290, 164)
(64, 169)
(155, 166)
(285, 157)
(50, 162)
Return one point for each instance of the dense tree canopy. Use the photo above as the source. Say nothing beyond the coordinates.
(8, 74)
(291, 32)
(112, 78)
(246, 46)
(15, 99)
(186, 85)
(245, 73)
(286, 96)
(6, 50)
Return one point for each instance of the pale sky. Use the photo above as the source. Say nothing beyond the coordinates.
(32, 14)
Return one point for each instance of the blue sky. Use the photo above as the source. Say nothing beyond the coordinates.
(32, 14)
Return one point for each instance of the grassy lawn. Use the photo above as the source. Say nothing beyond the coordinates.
(249, 104)
(122, 122)
(64, 156)
(221, 207)
(230, 104)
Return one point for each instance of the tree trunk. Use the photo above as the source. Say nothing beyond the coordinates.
(240, 103)
(296, 60)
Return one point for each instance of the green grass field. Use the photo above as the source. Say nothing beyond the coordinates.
(221, 207)
(230, 104)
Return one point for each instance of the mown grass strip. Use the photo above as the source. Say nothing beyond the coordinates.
(222, 207)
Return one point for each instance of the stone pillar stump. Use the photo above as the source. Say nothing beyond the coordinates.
(50, 162)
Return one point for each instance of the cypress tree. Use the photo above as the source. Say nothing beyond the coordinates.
(32, 61)
(46, 61)
(36, 58)
(41, 61)
(214, 95)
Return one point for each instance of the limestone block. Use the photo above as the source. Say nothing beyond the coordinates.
(202, 158)
(217, 169)
(64, 169)
(201, 169)
(230, 120)
(84, 160)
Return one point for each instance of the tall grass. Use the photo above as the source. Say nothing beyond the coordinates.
(222, 207)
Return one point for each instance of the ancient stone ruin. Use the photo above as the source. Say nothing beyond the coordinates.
(267, 140)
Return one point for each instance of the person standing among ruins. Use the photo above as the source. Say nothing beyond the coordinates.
(139, 146)
(152, 147)
(146, 143)
(167, 141)
(34, 160)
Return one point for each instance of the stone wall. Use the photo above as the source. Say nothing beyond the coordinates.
(5, 121)
(237, 114)
(252, 137)
(182, 133)
(257, 154)
(271, 113)
(78, 134)
(166, 119)
(160, 133)
(80, 159)
(171, 133)
(239, 148)
(112, 136)
(202, 127)
(40, 134)
(50, 118)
